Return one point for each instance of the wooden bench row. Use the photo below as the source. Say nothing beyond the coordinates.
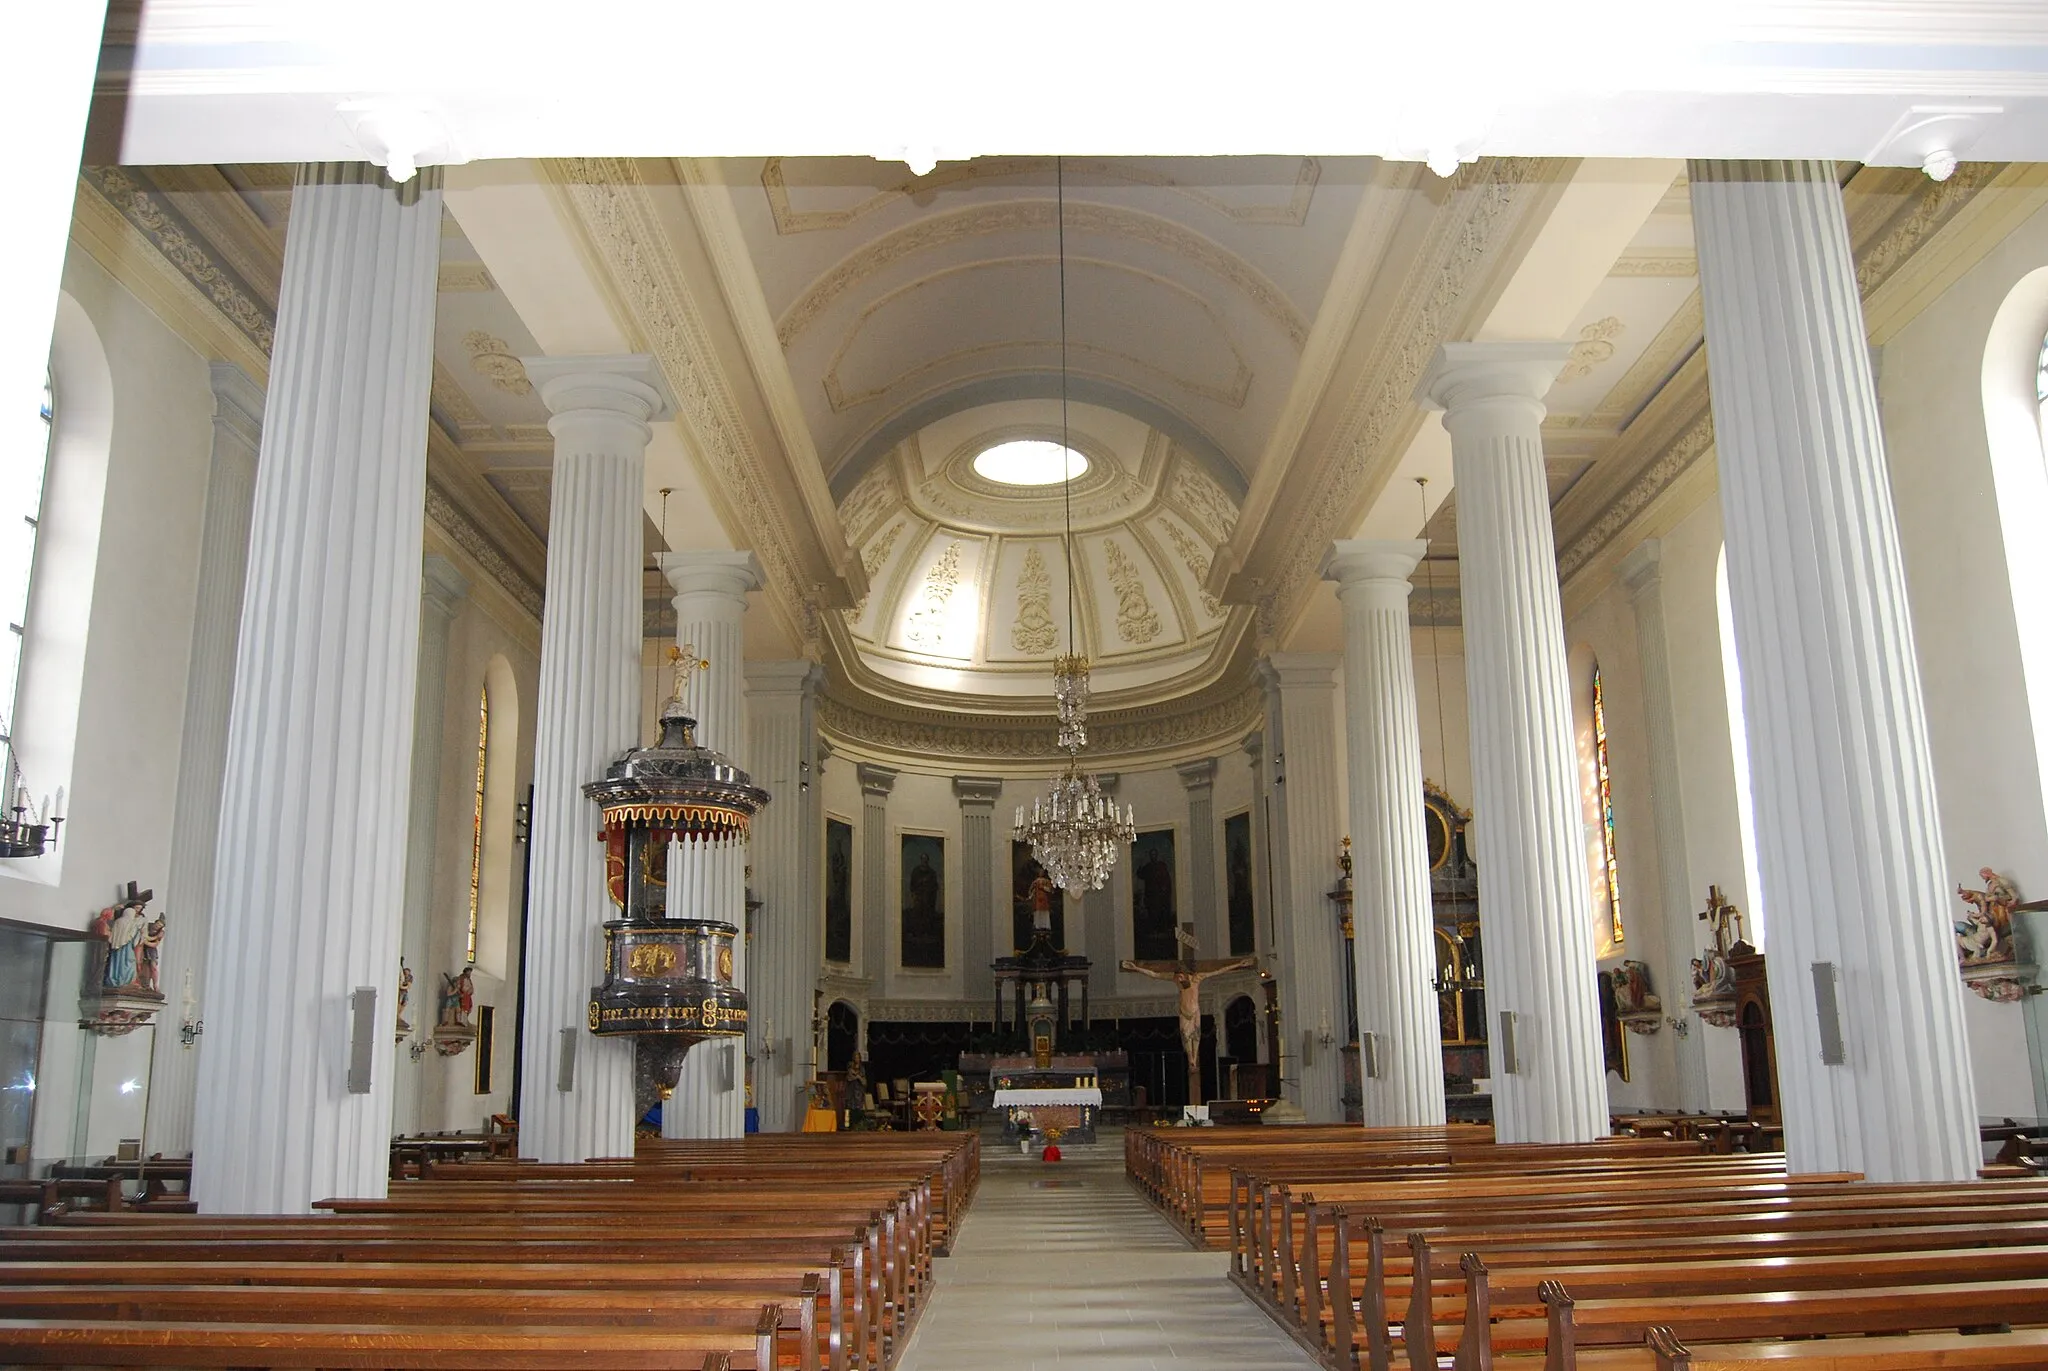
(795, 1254)
(1606, 1258)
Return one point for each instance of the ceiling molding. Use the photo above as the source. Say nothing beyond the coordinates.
(1155, 735)
(711, 208)
(1468, 236)
(155, 255)
(1674, 433)
(790, 220)
(609, 202)
(975, 221)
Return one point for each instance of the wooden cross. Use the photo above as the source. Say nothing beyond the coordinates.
(1188, 972)
(1718, 915)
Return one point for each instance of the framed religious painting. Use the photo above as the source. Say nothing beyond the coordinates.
(1154, 912)
(838, 890)
(1240, 902)
(924, 900)
(1025, 869)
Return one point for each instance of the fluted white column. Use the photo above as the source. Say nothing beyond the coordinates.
(1254, 748)
(1642, 572)
(442, 591)
(1198, 779)
(1105, 921)
(587, 713)
(709, 881)
(202, 748)
(1849, 839)
(310, 866)
(1393, 920)
(1525, 777)
(875, 905)
(789, 932)
(1301, 729)
(980, 909)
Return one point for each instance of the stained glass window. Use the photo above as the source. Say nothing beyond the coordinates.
(476, 839)
(21, 507)
(1606, 805)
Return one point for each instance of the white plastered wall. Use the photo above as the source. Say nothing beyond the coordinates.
(1935, 381)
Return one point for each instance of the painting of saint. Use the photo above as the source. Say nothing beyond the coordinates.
(924, 900)
(838, 890)
(1154, 913)
(1024, 873)
(1238, 884)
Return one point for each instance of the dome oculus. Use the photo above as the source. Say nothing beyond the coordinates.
(1029, 462)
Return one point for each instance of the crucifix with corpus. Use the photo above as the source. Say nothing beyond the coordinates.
(1188, 973)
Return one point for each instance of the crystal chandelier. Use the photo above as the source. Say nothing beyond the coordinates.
(1074, 830)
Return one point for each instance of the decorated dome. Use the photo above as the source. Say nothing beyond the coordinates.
(968, 575)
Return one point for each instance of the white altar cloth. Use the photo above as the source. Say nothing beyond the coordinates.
(1090, 1096)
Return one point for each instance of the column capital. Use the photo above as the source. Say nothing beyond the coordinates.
(442, 587)
(980, 792)
(628, 384)
(789, 676)
(1462, 375)
(1198, 775)
(876, 781)
(237, 403)
(1642, 571)
(713, 571)
(1254, 746)
(1293, 670)
(1386, 562)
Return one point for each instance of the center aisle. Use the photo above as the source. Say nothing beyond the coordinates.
(1066, 1265)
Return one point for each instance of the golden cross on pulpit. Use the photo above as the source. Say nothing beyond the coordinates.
(685, 661)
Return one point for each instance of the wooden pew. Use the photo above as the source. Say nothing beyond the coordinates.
(1914, 1352)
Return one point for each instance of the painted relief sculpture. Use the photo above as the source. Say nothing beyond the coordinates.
(122, 991)
(1713, 978)
(1635, 1004)
(1986, 948)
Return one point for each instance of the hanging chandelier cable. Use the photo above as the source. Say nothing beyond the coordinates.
(1074, 830)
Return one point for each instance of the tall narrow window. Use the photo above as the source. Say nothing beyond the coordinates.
(476, 839)
(21, 505)
(1738, 742)
(1606, 806)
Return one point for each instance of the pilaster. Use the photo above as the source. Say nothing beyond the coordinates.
(1393, 918)
(788, 839)
(1525, 779)
(978, 867)
(1198, 779)
(1642, 573)
(202, 746)
(442, 590)
(309, 867)
(1263, 882)
(1849, 838)
(875, 905)
(709, 881)
(1301, 690)
(587, 712)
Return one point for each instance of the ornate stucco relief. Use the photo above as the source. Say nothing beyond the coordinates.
(929, 623)
(1034, 631)
(1136, 620)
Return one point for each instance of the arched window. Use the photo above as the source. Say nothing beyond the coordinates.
(1738, 744)
(21, 512)
(1596, 800)
(493, 860)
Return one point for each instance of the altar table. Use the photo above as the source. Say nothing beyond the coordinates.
(1070, 1109)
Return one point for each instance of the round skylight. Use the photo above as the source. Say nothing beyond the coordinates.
(1029, 462)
